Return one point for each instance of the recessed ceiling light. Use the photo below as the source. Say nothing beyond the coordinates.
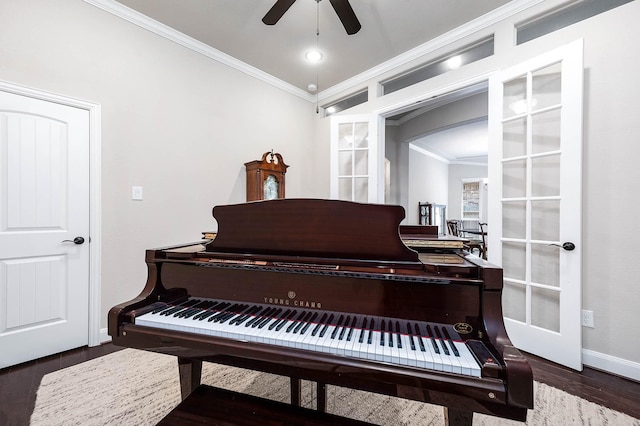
(313, 56)
(454, 62)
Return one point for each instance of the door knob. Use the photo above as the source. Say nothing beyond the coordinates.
(76, 240)
(568, 246)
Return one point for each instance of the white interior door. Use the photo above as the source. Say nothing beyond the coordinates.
(535, 171)
(44, 200)
(357, 168)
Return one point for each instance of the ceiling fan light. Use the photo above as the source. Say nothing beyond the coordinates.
(313, 56)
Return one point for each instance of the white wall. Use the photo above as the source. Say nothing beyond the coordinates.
(173, 121)
(428, 182)
(610, 170)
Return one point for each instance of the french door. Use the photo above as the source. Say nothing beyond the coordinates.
(357, 160)
(535, 165)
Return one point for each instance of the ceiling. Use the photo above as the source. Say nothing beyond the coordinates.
(465, 143)
(389, 28)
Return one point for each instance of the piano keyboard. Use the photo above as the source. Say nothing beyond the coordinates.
(419, 344)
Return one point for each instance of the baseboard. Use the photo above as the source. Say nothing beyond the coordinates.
(104, 336)
(611, 364)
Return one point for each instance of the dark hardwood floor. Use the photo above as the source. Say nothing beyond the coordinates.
(18, 384)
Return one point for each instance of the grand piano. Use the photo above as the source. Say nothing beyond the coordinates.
(328, 291)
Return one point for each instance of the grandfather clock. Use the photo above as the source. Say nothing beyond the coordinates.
(265, 177)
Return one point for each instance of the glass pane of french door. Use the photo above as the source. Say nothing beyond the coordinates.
(531, 190)
(354, 166)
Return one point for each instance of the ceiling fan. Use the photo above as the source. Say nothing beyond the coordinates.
(342, 7)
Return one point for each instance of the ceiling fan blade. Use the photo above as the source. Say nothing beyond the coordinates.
(347, 15)
(277, 10)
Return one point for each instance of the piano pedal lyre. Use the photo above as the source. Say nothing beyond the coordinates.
(321, 394)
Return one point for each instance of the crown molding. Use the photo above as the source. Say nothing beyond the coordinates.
(169, 33)
(429, 153)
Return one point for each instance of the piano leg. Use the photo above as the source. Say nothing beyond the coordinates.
(295, 391)
(454, 417)
(321, 399)
(190, 371)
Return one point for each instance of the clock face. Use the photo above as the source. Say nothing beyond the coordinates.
(270, 188)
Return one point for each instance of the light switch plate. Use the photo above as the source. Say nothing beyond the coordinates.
(136, 193)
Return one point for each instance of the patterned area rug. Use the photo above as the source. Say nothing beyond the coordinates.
(132, 387)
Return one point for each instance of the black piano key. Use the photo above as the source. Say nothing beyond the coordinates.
(303, 322)
(264, 316)
(284, 320)
(199, 309)
(179, 307)
(223, 314)
(431, 337)
(382, 331)
(347, 326)
(399, 342)
(344, 328)
(258, 315)
(208, 312)
(319, 325)
(363, 330)
(326, 325)
(195, 309)
(161, 307)
(273, 316)
(448, 337)
(240, 313)
(246, 315)
(295, 323)
(419, 337)
(309, 322)
(439, 336)
(410, 334)
(231, 313)
(221, 311)
(353, 327)
(335, 330)
(372, 324)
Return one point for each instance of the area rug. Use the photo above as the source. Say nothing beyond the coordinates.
(133, 387)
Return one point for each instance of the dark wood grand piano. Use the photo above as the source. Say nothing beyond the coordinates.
(327, 291)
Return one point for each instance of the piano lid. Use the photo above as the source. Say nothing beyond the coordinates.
(312, 228)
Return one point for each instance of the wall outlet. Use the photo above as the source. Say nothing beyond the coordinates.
(587, 319)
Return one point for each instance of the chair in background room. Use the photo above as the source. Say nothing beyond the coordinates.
(479, 244)
(453, 226)
(455, 229)
(483, 234)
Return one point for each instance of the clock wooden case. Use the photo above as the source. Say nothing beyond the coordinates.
(265, 177)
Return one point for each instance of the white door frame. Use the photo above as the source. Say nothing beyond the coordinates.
(95, 336)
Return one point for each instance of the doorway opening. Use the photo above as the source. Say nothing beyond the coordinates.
(433, 147)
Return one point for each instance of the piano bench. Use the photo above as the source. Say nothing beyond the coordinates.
(208, 405)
